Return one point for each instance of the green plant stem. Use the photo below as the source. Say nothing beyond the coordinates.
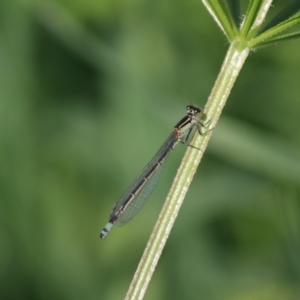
(232, 65)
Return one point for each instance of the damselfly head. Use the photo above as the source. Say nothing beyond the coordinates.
(193, 110)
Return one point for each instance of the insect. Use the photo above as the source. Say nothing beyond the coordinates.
(132, 200)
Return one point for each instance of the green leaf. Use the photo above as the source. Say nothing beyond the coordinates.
(250, 16)
(286, 13)
(278, 39)
(221, 12)
(264, 37)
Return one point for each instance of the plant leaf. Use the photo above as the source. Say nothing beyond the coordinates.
(221, 13)
(250, 16)
(286, 13)
(278, 39)
(270, 33)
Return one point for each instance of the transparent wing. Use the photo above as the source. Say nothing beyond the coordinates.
(140, 189)
(140, 199)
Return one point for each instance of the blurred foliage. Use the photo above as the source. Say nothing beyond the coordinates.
(88, 92)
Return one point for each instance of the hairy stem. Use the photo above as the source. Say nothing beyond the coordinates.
(232, 65)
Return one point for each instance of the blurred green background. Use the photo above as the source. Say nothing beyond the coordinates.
(89, 90)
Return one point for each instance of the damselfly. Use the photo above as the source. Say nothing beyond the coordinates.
(139, 191)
